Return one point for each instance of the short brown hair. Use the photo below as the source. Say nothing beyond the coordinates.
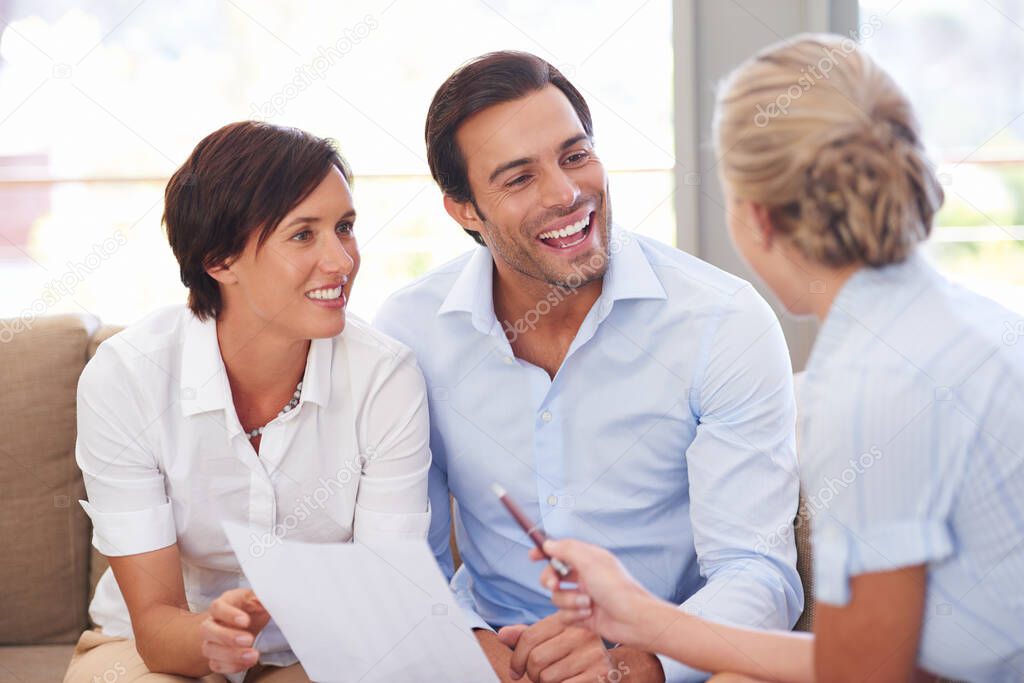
(242, 178)
(490, 79)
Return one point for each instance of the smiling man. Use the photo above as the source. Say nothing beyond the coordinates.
(623, 392)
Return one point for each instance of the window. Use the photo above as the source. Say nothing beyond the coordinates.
(960, 64)
(100, 102)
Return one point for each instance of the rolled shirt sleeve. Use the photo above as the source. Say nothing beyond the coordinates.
(392, 502)
(881, 462)
(743, 478)
(372, 525)
(127, 498)
(439, 534)
(393, 491)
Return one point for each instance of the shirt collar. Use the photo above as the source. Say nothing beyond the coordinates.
(870, 299)
(316, 384)
(472, 292)
(629, 276)
(204, 383)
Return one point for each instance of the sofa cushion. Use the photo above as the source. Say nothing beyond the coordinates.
(34, 663)
(44, 533)
(103, 334)
(804, 552)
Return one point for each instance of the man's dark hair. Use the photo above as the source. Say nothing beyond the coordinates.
(488, 80)
(240, 179)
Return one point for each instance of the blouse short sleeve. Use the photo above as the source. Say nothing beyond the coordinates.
(392, 501)
(880, 458)
(127, 500)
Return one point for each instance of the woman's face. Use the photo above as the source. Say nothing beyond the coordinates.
(297, 283)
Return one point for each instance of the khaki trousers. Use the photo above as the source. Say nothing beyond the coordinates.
(103, 659)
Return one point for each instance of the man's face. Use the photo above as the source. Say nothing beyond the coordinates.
(542, 192)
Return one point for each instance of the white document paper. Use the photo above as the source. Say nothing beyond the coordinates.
(363, 613)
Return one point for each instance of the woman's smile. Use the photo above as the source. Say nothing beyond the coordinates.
(329, 296)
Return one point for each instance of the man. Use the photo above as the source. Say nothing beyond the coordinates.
(623, 392)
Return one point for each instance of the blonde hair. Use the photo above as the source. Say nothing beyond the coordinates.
(816, 131)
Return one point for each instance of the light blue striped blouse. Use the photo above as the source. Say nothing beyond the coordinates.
(912, 452)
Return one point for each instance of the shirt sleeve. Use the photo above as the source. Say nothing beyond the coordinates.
(127, 499)
(388, 321)
(392, 500)
(440, 538)
(744, 487)
(881, 461)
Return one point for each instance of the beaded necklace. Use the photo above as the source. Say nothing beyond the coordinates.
(291, 404)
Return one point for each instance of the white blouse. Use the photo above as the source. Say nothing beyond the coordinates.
(165, 459)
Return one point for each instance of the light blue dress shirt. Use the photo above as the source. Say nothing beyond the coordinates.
(667, 436)
(912, 452)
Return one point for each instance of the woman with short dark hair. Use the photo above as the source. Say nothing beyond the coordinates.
(249, 405)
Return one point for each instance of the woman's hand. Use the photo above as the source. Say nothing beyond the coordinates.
(232, 623)
(606, 599)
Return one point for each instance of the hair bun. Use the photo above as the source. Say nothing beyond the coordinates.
(844, 185)
(863, 191)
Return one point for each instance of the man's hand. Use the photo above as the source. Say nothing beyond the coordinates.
(498, 653)
(232, 623)
(552, 650)
(637, 666)
(605, 599)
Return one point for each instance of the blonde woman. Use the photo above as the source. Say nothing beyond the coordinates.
(912, 401)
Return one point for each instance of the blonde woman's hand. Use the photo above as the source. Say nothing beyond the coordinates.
(606, 599)
(232, 623)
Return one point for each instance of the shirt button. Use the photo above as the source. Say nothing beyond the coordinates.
(546, 416)
(508, 360)
(552, 500)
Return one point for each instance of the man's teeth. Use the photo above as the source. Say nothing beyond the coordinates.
(566, 231)
(325, 294)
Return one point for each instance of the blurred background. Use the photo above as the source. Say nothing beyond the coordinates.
(100, 101)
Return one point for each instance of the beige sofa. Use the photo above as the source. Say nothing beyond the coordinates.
(48, 568)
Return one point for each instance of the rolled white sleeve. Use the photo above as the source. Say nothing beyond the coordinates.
(373, 525)
(392, 502)
(130, 533)
(743, 479)
(127, 498)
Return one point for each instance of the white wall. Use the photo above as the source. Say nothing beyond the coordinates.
(711, 38)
